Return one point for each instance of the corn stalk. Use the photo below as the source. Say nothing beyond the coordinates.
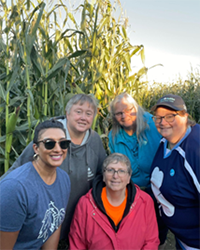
(8, 142)
(10, 124)
(44, 61)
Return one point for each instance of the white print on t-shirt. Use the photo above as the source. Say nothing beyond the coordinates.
(52, 220)
(156, 183)
(90, 174)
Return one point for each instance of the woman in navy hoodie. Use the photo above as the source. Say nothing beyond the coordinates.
(175, 173)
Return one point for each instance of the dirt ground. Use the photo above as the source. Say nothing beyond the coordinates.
(170, 243)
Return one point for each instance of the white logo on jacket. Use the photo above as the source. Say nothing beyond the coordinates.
(156, 183)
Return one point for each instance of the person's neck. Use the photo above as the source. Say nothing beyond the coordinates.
(76, 137)
(131, 130)
(47, 173)
(115, 198)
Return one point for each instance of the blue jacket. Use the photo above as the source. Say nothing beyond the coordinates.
(141, 156)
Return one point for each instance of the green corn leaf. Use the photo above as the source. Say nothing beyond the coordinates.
(12, 121)
(77, 89)
(77, 53)
(142, 54)
(136, 50)
(70, 15)
(99, 130)
(30, 94)
(2, 45)
(13, 76)
(2, 152)
(32, 36)
(124, 32)
(2, 92)
(9, 138)
(94, 43)
(22, 127)
(103, 23)
(142, 71)
(52, 72)
(3, 138)
(69, 45)
(17, 99)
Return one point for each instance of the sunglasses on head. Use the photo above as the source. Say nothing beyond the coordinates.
(50, 143)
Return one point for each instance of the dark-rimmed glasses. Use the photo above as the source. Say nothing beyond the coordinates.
(112, 171)
(126, 111)
(168, 118)
(50, 143)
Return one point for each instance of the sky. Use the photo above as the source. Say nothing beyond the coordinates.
(170, 33)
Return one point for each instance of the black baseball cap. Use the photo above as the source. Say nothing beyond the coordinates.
(173, 102)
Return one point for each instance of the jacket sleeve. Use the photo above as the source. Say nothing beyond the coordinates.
(152, 239)
(25, 156)
(77, 234)
(101, 156)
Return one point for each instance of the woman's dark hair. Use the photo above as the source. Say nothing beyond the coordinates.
(45, 125)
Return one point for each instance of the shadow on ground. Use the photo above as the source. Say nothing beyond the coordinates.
(170, 243)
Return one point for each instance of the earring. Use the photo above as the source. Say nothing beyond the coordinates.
(35, 157)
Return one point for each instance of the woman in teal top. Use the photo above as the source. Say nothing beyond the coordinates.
(135, 135)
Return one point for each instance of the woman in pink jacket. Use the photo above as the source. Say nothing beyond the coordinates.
(115, 214)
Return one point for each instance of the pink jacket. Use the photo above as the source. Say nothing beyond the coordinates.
(91, 229)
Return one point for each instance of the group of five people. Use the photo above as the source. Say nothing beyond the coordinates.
(103, 202)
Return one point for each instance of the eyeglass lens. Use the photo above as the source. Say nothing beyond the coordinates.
(50, 144)
(168, 118)
(112, 171)
(126, 111)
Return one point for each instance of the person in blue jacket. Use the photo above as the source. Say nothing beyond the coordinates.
(175, 171)
(133, 134)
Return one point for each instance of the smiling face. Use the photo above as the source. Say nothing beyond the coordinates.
(55, 156)
(114, 182)
(126, 115)
(80, 118)
(172, 131)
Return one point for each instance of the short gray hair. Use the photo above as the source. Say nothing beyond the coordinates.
(141, 123)
(115, 158)
(81, 98)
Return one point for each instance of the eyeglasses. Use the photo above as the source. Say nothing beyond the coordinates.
(168, 118)
(126, 111)
(50, 143)
(112, 171)
(87, 113)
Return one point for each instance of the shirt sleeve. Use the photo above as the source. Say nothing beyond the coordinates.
(13, 205)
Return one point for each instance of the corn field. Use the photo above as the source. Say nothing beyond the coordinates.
(47, 56)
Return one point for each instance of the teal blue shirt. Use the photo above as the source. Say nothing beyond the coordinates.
(140, 155)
